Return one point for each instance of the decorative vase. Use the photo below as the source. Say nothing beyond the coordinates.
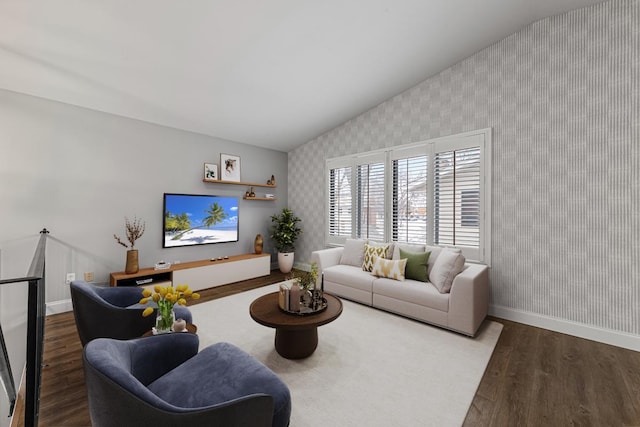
(285, 261)
(257, 244)
(179, 325)
(164, 320)
(306, 299)
(132, 262)
(294, 298)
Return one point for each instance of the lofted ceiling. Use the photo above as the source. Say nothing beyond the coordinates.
(270, 73)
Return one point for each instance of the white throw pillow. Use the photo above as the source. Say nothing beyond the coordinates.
(447, 266)
(435, 251)
(388, 268)
(353, 253)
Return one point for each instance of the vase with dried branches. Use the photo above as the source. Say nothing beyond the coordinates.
(135, 230)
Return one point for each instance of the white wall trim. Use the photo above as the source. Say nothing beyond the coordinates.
(606, 336)
(57, 307)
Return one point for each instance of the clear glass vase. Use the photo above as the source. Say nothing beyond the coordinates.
(165, 319)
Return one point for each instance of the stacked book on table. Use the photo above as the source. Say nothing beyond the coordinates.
(289, 297)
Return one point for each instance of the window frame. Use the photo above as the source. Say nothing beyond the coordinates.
(479, 138)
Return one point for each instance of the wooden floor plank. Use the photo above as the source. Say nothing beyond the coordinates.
(568, 381)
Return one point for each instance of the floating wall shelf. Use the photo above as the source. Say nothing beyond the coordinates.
(259, 198)
(249, 184)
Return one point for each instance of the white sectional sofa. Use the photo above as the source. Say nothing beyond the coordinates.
(462, 308)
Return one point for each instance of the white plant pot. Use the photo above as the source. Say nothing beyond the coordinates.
(285, 261)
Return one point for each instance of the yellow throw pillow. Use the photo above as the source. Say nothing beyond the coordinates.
(370, 252)
(392, 269)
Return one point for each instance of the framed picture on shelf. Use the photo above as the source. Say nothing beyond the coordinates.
(229, 167)
(210, 171)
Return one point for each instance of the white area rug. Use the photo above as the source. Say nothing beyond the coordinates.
(371, 368)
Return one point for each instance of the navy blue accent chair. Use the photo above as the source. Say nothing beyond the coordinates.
(163, 381)
(113, 312)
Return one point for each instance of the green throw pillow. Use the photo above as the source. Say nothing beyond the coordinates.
(417, 264)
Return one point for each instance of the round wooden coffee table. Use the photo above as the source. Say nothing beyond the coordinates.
(296, 336)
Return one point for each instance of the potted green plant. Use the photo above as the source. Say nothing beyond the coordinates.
(285, 232)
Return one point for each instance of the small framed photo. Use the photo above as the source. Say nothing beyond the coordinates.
(210, 171)
(229, 167)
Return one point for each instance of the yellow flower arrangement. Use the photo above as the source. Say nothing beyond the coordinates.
(166, 297)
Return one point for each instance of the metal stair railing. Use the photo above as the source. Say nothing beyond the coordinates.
(35, 279)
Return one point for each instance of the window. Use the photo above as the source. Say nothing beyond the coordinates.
(339, 203)
(435, 192)
(409, 198)
(456, 194)
(370, 201)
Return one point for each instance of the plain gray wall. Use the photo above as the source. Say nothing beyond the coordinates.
(79, 172)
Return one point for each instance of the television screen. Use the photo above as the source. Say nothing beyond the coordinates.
(191, 219)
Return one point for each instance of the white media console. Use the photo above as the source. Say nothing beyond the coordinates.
(199, 275)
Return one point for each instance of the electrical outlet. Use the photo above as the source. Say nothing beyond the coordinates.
(88, 276)
(70, 278)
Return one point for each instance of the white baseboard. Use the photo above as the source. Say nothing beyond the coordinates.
(56, 307)
(606, 336)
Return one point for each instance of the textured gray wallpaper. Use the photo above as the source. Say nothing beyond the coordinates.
(563, 99)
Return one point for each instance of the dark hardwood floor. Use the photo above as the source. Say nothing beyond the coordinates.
(534, 378)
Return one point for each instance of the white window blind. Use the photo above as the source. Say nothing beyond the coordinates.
(457, 197)
(410, 199)
(340, 203)
(370, 201)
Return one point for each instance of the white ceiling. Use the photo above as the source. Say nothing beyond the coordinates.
(271, 73)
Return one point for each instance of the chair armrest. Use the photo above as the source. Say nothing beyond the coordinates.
(121, 296)
(469, 299)
(169, 351)
(325, 258)
(96, 318)
(112, 404)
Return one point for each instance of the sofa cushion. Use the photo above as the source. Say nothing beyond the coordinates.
(417, 264)
(353, 253)
(371, 251)
(392, 269)
(349, 276)
(447, 266)
(412, 291)
(435, 252)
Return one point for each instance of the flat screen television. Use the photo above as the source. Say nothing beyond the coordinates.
(191, 219)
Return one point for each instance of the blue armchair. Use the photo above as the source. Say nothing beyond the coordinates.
(163, 381)
(112, 312)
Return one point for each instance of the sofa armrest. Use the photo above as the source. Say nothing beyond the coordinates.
(325, 258)
(469, 299)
